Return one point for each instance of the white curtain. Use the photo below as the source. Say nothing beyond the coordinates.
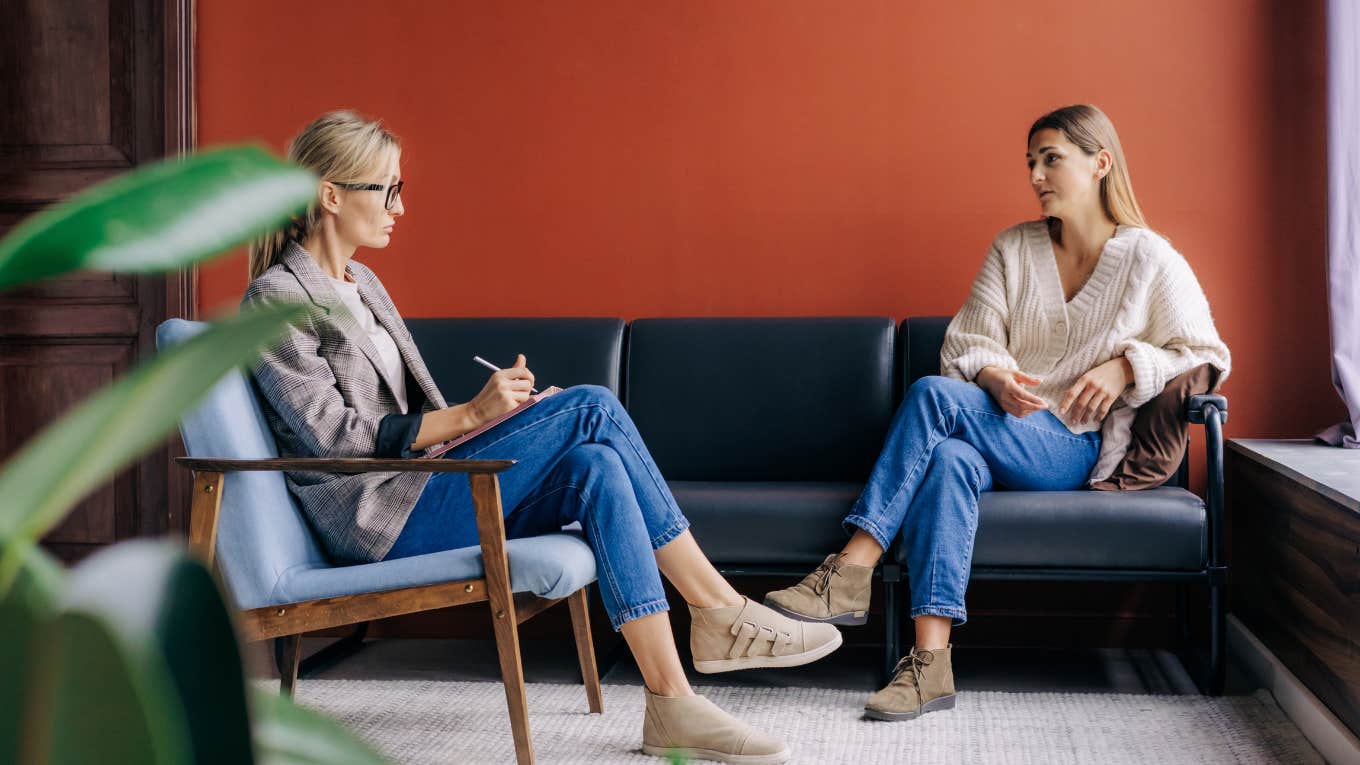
(1343, 212)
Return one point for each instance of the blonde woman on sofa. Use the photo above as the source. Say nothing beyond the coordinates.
(1073, 322)
(352, 384)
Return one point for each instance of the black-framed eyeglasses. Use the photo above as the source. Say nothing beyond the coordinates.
(393, 191)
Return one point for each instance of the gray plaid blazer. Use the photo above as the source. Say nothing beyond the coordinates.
(325, 395)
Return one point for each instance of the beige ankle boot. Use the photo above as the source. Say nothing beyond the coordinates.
(835, 592)
(924, 683)
(751, 636)
(695, 728)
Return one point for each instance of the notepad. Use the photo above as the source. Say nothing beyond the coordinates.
(440, 450)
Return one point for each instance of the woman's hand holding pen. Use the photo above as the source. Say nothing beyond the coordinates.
(506, 389)
(1007, 386)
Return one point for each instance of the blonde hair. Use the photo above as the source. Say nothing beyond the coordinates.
(1090, 130)
(340, 147)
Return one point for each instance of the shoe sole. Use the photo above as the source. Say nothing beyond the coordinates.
(695, 753)
(714, 666)
(847, 619)
(934, 705)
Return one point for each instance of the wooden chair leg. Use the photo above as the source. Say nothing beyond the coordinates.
(486, 497)
(585, 648)
(287, 654)
(203, 515)
(512, 675)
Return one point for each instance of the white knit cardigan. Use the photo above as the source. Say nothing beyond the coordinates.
(1142, 301)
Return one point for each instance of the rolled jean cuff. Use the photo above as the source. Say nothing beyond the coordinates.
(638, 611)
(860, 522)
(676, 529)
(959, 615)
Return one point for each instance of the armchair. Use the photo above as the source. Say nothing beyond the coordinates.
(244, 521)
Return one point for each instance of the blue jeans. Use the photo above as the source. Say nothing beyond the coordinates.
(579, 458)
(950, 441)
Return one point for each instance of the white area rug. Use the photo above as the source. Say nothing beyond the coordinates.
(425, 721)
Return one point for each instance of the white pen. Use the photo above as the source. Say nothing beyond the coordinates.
(495, 368)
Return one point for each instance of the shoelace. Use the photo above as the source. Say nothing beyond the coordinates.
(830, 567)
(913, 662)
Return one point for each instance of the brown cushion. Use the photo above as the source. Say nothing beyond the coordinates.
(1160, 434)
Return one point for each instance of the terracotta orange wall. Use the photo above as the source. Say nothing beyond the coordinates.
(799, 158)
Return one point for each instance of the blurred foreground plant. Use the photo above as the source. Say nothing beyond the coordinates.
(131, 656)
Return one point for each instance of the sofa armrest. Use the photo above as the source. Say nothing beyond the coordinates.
(346, 465)
(1211, 411)
(1196, 407)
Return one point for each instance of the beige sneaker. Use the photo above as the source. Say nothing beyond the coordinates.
(924, 683)
(835, 592)
(695, 728)
(751, 636)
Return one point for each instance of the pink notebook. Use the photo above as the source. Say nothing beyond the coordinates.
(438, 451)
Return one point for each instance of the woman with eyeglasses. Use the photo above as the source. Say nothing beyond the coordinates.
(352, 384)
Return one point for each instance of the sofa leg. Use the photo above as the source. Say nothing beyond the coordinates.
(892, 620)
(287, 654)
(334, 653)
(1183, 619)
(585, 648)
(1217, 670)
(612, 656)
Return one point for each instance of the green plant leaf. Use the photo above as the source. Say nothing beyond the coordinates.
(27, 608)
(87, 446)
(159, 217)
(88, 702)
(287, 734)
(164, 614)
(101, 688)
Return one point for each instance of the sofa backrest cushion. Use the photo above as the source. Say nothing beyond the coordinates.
(261, 532)
(762, 399)
(561, 352)
(921, 340)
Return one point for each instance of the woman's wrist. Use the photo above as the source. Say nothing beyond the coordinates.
(985, 376)
(1126, 367)
(442, 424)
(464, 418)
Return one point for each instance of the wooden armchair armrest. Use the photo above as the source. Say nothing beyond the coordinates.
(207, 501)
(346, 465)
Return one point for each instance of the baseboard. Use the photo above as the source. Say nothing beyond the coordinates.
(1322, 728)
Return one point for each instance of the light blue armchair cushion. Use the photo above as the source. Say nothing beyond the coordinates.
(551, 566)
(267, 553)
(261, 532)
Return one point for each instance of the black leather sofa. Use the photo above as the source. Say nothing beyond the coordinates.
(767, 428)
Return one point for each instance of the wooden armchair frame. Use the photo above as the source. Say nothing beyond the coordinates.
(288, 622)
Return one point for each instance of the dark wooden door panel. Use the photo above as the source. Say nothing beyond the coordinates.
(72, 97)
(76, 288)
(88, 89)
(38, 384)
(58, 320)
(49, 78)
